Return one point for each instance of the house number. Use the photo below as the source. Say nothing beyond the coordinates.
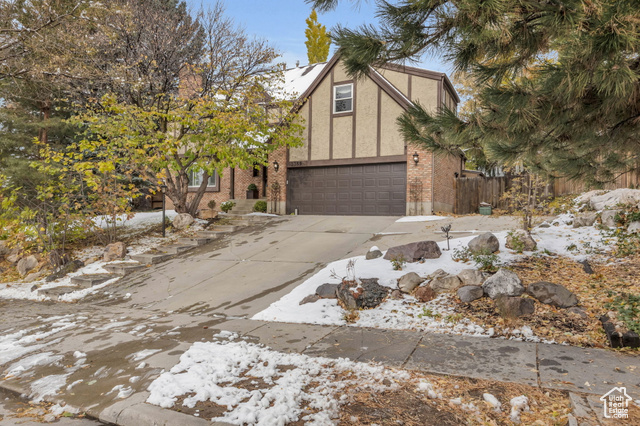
(296, 163)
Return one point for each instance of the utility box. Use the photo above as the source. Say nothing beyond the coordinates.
(485, 209)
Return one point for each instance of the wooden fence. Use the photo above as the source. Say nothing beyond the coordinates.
(471, 191)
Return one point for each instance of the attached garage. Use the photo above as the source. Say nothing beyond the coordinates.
(361, 189)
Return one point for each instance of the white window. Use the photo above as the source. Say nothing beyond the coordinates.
(195, 179)
(343, 98)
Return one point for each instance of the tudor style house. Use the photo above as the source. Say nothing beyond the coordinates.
(353, 161)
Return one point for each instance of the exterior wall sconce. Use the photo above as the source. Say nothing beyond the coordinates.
(276, 166)
(416, 157)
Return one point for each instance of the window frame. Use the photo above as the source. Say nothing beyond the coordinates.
(212, 185)
(335, 98)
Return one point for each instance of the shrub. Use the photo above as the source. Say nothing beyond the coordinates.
(252, 187)
(227, 206)
(398, 263)
(486, 261)
(211, 204)
(628, 308)
(461, 254)
(516, 243)
(260, 206)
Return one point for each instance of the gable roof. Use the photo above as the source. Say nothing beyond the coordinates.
(300, 78)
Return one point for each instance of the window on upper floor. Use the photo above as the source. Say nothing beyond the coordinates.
(195, 179)
(343, 98)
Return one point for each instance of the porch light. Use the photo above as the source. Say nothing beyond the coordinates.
(416, 157)
(276, 166)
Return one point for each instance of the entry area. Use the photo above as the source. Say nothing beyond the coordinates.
(362, 189)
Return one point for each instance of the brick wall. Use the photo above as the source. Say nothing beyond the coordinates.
(444, 182)
(419, 180)
(278, 204)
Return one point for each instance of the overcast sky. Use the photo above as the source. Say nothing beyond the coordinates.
(283, 23)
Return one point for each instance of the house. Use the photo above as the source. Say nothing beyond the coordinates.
(353, 160)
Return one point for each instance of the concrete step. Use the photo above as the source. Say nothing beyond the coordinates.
(196, 241)
(123, 268)
(223, 228)
(151, 258)
(175, 248)
(57, 291)
(239, 221)
(89, 280)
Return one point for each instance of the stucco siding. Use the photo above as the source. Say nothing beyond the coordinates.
(321, 114)
(339, 73)
(425, 90)
(367, 119)
(398, 79)
(301, 153)
(391, 142)
(342, 137)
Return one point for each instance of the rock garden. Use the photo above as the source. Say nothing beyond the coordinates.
(573, 279)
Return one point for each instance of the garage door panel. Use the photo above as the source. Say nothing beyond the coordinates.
(371, 189)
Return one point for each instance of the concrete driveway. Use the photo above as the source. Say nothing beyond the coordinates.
(246, 271)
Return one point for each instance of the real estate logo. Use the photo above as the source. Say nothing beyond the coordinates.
(616, 403)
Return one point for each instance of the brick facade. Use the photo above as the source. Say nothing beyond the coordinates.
(419, 179)
(277, 201)
(444, 182)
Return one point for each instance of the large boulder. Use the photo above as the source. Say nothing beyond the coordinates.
(425, 294)
(114, 251)
(182, 221)
(368, 295)
(312, 298)
(327, 291)
(4, 248)
(373, 253)
(14, 256)
(413, 252)
(503, 283)
(514, 307)
(445, 284)
(27, 264)
(608, 218)
(409, 281)
(552, 294)
(469, 293)
(472, 277)
(485, 243)
(633, 228)
(585, 219)
(613, 198)
(520, 240)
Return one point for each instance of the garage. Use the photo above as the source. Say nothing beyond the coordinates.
(362, 189)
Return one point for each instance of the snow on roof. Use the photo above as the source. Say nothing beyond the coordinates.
(297, 80)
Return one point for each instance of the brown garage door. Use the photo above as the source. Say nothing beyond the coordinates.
(368, 189)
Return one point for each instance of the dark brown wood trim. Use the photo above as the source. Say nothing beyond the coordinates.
(309, 129)
(232, 181)
(353, 121)
(326, 70)
(390, 90)
(343, 82)
(342, 114)
(409, 87)
(379, 122)
(412, 70)
(331, 118)
(348, 161)
(452, 90)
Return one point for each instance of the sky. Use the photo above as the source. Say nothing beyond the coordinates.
(282, 22)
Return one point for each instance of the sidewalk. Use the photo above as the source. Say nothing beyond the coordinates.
(590, 371)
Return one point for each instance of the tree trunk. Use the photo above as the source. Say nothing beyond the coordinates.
(45, 109)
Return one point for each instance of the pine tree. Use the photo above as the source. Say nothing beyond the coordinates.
(557, 83)
(318, 40)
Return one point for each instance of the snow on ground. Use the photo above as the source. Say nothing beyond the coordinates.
(137, 221)
(419, 219)
(436, 315)
(222, 371)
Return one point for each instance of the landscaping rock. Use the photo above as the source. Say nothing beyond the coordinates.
(425, 294)
(4, 250)
(485, 243)
(445, 284)
(368, 295)
(544, 225)
(634, 228)
(520, 240)
(408, 282)
(312, 298)
(14, 256)
(34, 276)
(503, 283)
(182, 220)
(114, 251)
(327, 291)
(619, 338)
(552, 294)
(599, 201)
(473, 277)
(27, 264)
(584, 219)
(396, 294)
(373, 253)
(608, 218)
(514, 307)
(413, 252)
(438, 273)
(469, 293)
(70, 267)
